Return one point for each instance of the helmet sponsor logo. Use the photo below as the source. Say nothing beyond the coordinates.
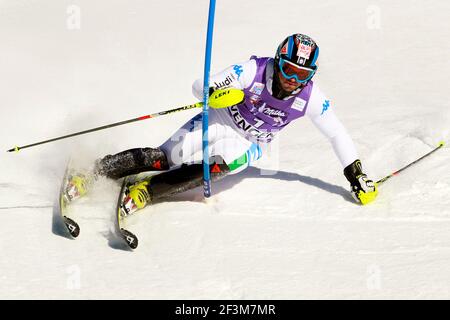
(284, 49)
(305, 46)
(257, 88)
(301, 38)
(299, 104)
(304, 51)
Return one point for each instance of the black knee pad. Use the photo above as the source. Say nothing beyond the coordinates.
(132, 161)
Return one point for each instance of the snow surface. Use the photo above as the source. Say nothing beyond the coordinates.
(294, 234)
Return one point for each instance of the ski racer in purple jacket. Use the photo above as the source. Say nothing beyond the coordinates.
(277, 91)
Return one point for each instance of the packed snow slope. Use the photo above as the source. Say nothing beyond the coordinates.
(290, 231)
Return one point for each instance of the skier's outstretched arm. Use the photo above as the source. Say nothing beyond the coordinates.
(324, 118)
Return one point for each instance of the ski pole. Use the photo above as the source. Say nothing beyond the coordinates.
(441, 144)
(154, 115)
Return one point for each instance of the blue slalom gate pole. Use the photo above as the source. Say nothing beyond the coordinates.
(205, 141)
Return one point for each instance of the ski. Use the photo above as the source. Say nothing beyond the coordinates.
(64, 201)
(121, 213)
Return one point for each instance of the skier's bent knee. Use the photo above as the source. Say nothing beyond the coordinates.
(132, 161)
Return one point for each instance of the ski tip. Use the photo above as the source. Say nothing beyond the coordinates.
(130, 238)
(72, 227)
(75, 233)
(442, 143)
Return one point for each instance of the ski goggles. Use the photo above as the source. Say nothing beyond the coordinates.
(290, 70)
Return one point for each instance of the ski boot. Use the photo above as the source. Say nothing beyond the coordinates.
(137, 198)
(164, 185)
(77, 186)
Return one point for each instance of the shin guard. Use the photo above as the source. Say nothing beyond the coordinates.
(185, 178)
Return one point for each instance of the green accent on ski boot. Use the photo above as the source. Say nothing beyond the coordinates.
(139, 194)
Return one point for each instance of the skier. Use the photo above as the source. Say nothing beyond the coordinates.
(276, 92)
